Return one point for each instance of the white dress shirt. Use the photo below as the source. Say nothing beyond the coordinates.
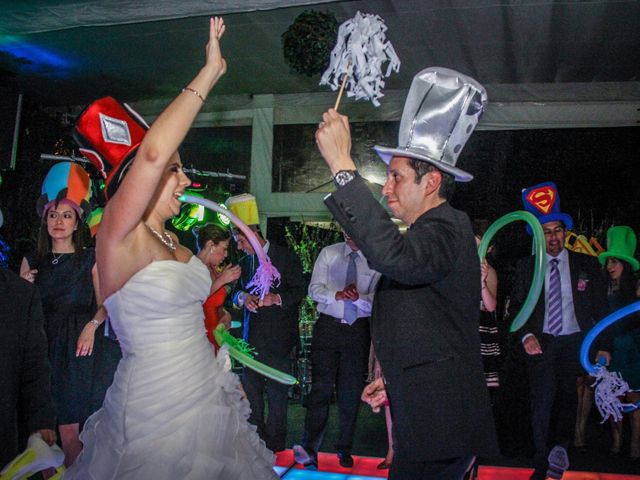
(569, 322)
(328, 278)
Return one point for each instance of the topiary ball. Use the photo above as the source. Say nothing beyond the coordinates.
(309, 40)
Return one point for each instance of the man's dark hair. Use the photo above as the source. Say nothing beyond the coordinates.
(448, 184)
(255, 228)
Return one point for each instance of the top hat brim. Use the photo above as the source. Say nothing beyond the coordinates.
(635, 265)
(554, 217)
(387, 153)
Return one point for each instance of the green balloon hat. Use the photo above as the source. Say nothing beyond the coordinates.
(621, 244)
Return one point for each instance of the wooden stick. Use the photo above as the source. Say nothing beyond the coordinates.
(344, 82)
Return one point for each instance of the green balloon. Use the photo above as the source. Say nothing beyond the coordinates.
(539, 266)
(223, 337)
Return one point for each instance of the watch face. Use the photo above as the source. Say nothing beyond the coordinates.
(343, 177)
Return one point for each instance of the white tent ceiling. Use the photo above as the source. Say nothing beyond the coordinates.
(545, 63)
(524, 51)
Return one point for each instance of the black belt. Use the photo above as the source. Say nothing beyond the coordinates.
(342, 321)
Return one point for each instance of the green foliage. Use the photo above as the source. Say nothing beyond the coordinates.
(307, 242)
(309, 40)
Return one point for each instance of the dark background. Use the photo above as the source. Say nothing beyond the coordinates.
(596, 171)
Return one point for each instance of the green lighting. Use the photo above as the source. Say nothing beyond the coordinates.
(223, 219)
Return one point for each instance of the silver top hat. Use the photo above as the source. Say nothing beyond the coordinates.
(441, 111)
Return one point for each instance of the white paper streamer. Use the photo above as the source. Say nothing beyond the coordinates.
(360, 52)
(609, 387)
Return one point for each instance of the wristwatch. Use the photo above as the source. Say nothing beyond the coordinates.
(344, 176)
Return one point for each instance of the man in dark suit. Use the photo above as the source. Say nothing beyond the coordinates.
(574, 299)
(271, 327)
(424, 322)
(25, 385)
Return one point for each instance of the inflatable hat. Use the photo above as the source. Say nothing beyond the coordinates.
(621, 244)
(66, 182)
(109, 133)
(441, 111)
(245, 208)
(543, 201)
(93, 220)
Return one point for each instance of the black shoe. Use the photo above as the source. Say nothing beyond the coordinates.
(538, 475)
(558, 462)
(346, 460)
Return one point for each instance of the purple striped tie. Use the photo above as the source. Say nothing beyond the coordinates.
(555, 299)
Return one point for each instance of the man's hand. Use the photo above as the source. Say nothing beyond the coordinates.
(375, 395)
(49, 436)
(270, 299)
(333, 138)
(251, 302)
(351, 293)
(532, 346)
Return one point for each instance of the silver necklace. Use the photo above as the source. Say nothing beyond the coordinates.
(164, 238)
(56, 259)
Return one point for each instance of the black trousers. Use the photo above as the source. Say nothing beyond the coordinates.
(552, 382)
(339, 356)
(273, 429)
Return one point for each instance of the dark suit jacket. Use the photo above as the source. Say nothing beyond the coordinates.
(424, 325)
(589, 296)
(273, 331)
(25, 384)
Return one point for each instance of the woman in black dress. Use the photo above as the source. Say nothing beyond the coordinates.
(82, 358)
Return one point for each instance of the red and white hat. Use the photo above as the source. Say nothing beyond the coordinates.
(109, 133)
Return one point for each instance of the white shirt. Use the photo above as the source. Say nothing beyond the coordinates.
(328, 278)
(569, 322)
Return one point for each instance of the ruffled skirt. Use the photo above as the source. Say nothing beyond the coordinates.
(175, 412)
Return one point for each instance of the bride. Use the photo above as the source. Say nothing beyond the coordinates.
(172, 412)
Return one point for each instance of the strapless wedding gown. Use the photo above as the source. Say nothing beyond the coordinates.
(173, 411)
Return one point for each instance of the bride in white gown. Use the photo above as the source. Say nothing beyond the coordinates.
(173, 411)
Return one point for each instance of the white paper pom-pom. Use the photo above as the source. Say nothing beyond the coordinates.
(360, 52)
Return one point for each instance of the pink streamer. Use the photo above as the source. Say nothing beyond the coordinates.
(266, 275)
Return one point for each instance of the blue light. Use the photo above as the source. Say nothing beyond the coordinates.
(33, 58)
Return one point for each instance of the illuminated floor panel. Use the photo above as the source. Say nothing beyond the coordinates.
(309, 475)
(364, 468)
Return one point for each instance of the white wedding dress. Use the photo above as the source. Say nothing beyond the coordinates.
(173, 411)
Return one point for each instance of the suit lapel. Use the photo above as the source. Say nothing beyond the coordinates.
(574, 270)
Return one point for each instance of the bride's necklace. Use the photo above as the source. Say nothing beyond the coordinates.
(57, 258)
(164, 237)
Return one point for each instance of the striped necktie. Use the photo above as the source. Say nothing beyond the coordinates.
(555, 299)
(350, 310)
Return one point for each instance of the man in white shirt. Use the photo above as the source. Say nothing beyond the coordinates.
(343, 285)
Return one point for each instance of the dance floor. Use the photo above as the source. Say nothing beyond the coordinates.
(364, 468)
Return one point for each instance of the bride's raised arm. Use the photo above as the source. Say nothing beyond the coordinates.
(127, 207)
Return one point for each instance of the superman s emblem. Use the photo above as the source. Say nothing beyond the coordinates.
(542, 198)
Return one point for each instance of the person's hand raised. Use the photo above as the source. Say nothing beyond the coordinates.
(214, 59)
(333, 138)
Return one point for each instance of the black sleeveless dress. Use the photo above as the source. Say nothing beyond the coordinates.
(78, 384)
